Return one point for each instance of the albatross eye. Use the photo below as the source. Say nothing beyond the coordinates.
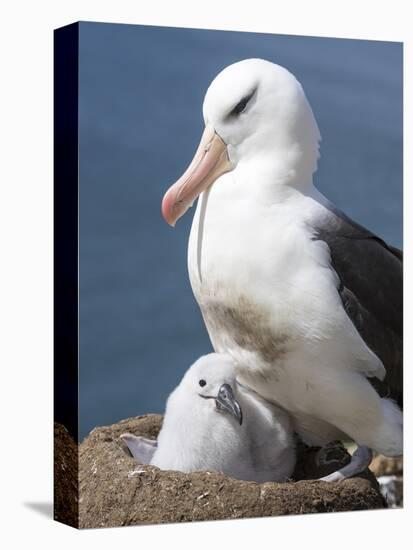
(241, 105)
(202, 383)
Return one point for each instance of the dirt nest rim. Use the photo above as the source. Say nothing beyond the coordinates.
(115, 490)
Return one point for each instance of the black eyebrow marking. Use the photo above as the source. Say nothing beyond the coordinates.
(242, 104)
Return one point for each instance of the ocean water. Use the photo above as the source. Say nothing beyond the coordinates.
(141, 91)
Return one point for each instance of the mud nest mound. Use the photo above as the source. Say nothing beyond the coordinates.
(115, 490)
(66, 476)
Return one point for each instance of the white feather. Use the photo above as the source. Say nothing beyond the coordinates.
(251, 246)
(196, 436)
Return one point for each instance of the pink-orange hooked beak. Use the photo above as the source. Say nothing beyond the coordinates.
(210, 161)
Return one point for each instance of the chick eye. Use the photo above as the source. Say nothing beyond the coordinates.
(241, 105)
(202, 383)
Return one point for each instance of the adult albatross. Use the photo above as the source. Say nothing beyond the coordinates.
(307, 302)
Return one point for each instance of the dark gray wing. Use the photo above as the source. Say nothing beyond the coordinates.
(371, 289)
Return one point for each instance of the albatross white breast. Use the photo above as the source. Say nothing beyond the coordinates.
(307, 302)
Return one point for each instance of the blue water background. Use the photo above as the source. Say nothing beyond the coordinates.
(141, 92)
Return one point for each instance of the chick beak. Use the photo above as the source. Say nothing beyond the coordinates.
(226, 402)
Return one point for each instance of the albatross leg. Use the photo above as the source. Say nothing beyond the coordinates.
(360, 460)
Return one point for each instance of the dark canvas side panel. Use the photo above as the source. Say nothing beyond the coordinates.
(66, 63)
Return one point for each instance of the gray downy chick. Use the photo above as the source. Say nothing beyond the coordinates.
(213, 423)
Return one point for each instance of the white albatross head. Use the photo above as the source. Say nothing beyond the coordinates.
(254, 112)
